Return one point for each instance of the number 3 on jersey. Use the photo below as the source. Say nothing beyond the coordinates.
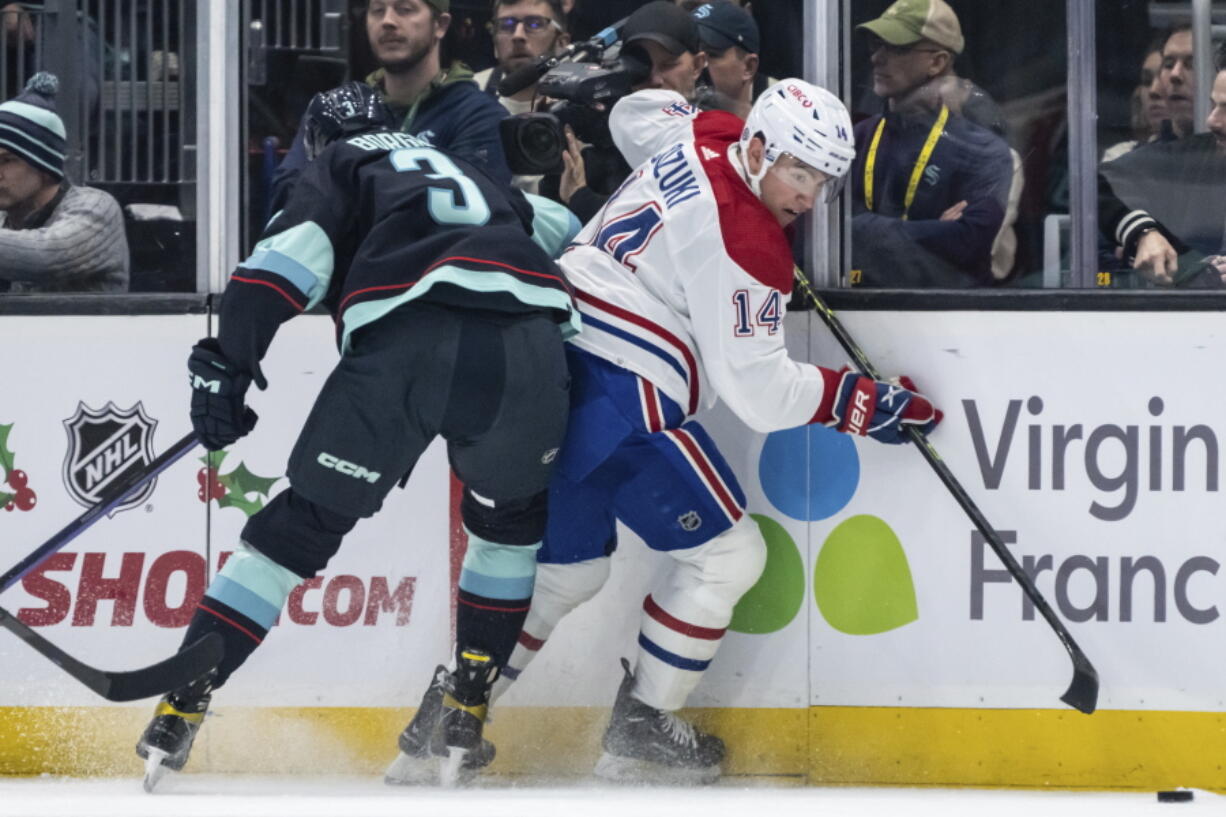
(447, 206)
(770, 314)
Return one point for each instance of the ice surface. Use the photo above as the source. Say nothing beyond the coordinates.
(192, 795)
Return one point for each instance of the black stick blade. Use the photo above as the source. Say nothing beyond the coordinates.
(177, 671)
(1082, 693)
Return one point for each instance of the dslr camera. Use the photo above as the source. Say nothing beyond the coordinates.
(584, 90)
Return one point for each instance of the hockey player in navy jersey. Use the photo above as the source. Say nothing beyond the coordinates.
(450, 321)
(682, 281)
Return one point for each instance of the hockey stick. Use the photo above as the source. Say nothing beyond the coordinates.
(1082, 693)
(110, 498)
(178, 670)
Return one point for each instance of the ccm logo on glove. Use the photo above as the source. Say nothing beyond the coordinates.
(213, 386)
(219, 412)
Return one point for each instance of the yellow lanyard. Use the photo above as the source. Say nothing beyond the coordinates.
(917, 172)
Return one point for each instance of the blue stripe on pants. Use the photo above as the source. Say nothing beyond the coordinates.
(671, 658)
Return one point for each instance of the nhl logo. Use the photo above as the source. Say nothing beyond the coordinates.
(690, 521)
(104, 445)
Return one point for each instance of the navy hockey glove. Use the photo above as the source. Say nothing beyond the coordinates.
(881, 409)
(219, 389)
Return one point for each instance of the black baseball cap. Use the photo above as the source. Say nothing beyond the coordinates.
(665, 23)
(722, 24)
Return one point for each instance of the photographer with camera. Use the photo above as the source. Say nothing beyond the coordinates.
(571, 143)
(522, 31)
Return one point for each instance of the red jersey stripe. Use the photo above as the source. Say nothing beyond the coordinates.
(707, 471)
(677, 625)
(530, 642)
(691, 363)
(232, 623)
(468, 603)
(443, 261)
(262, 282)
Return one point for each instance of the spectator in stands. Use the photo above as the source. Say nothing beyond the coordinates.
(668, 36)
(24, 37)
(1148, 104)
(442, 105)
(15, 21)
(54, 236)
(1179, 78)
(1139, 241)
(730, 39)
(523, 30)
(1161, 205)
(1217, 127)
(780, 23)
(931, 186)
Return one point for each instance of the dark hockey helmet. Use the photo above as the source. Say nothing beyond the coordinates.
(347, 110)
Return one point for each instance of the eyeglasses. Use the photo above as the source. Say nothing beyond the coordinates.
(533, 24)
(875, 44)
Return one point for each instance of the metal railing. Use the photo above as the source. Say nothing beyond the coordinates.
(19, 50)
(299, 25)
(137, 132)
(126, 71)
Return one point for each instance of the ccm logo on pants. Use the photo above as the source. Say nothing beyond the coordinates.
(347, 468)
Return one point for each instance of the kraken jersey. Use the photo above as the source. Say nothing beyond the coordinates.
(683, 277)
(383, 218)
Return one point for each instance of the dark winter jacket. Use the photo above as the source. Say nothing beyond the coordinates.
(454, 114)
(969, 162)
(1175, 186)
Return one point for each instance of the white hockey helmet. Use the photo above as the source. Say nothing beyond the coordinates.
(805, 121)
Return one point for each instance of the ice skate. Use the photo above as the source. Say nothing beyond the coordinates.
(167, 740)
(465, 705)
(648, 745)
(417, 765)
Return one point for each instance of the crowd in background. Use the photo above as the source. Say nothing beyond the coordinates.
(962, 157)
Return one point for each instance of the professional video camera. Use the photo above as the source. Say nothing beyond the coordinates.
(585, 83)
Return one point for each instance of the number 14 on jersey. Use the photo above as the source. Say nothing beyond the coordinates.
(768, 316)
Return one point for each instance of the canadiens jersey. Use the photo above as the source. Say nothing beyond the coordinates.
(683, 277)
(384, 218)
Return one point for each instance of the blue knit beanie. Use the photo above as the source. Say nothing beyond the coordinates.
(30, 127)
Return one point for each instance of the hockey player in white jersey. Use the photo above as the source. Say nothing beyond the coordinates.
(682, 281)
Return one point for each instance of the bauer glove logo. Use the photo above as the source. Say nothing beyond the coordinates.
(860, 409)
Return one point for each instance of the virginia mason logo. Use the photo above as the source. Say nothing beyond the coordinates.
(103, 445)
